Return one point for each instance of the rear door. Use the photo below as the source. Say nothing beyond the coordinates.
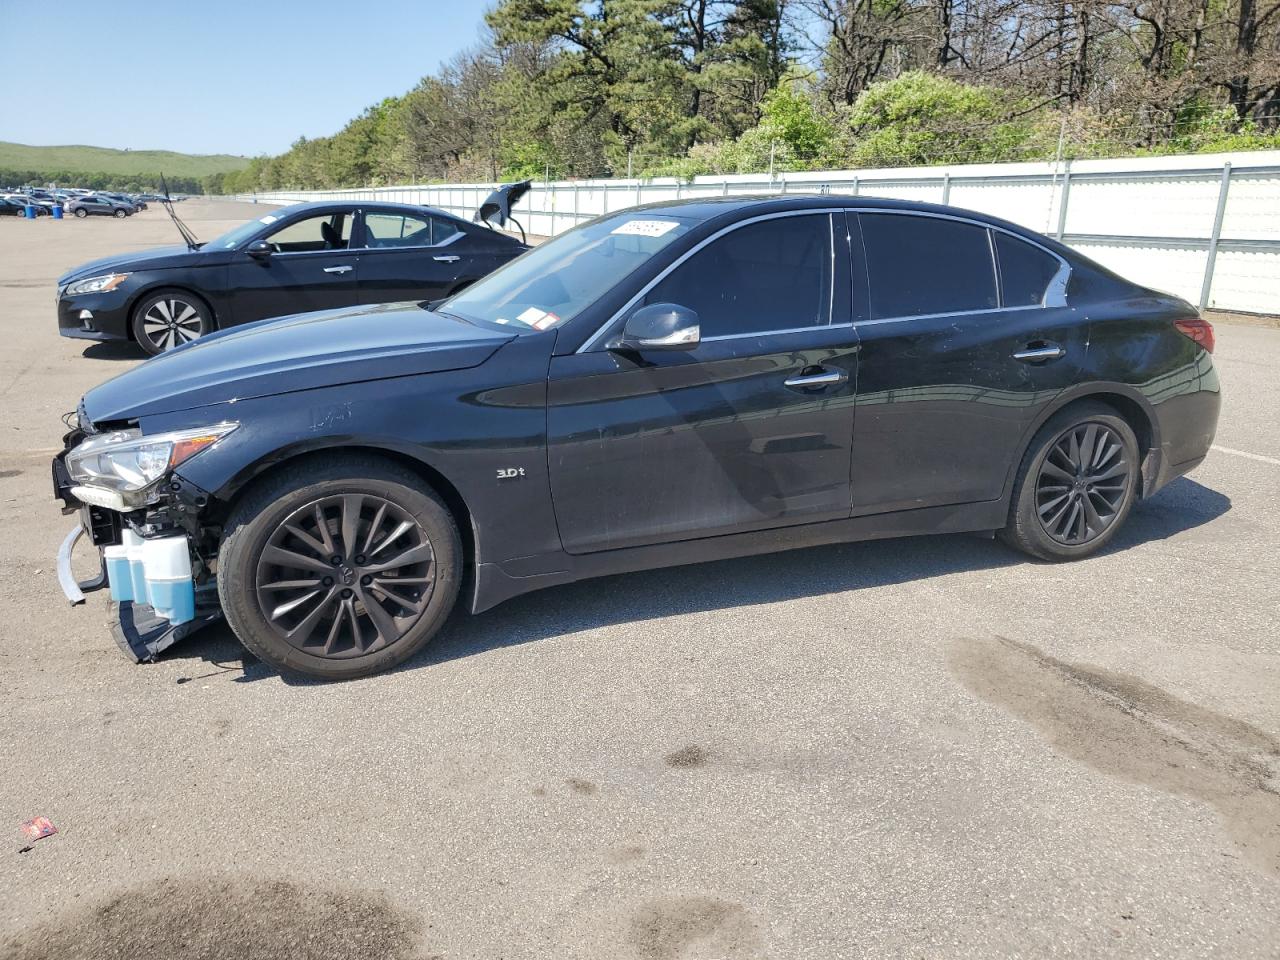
(412, 255)
(968, 339)
(311, 267)
(749, 430)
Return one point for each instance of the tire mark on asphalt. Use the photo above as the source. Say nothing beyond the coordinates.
(664, 929)
(224, 918)
(1128, 728)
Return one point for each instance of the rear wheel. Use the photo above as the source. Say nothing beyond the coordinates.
(339, 571)
(168, 319)
(1076, 484)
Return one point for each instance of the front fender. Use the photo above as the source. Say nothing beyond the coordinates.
(484, 436)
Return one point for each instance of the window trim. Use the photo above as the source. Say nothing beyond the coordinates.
(590, 344)
(1055, 293)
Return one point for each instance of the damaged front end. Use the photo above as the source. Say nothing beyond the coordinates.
(155, 554)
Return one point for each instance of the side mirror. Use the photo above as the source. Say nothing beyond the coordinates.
(660, 326)
(259, 250)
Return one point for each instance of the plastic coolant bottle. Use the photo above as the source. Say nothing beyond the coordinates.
(137, 570)
(168, 578)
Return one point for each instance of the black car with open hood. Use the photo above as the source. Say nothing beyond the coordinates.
(311, 256)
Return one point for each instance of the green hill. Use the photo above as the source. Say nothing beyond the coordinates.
(19, 156)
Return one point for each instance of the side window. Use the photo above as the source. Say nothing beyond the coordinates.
(327, 231)
(396, 230)
(771, 275)
(1025, 271)
(923, 265)
(442, 230)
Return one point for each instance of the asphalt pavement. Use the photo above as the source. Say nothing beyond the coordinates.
(915, 748)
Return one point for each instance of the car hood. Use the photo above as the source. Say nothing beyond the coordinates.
(288, 354)
(138, 260)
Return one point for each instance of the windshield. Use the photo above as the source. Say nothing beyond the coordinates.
(238, 235)
(554, 282)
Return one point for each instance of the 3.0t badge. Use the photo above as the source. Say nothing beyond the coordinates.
(510, 473)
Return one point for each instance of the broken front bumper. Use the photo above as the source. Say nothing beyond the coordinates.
(139, 631)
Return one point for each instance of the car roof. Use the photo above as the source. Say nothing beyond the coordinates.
(732, 208)
(319, 206)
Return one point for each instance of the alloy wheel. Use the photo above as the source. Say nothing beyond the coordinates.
(345, 575)
(170, 322)
(1082, 484)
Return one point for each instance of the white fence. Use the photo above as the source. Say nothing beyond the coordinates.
(1205, 227)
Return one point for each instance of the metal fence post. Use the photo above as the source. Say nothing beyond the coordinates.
(576, 218)
(946, 187)
(1223, 186)
(855, 186)
(1062, 201)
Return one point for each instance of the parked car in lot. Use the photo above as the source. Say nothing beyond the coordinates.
(669, 384)
(43, 207)
(306, 257)
(12, 208)
(94, 205)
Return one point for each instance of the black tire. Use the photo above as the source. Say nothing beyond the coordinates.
(81, 212)
(168, 318)
(1062, 512)
(271, 510)
(120, 214)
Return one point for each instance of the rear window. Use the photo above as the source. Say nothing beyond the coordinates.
(1025, 271)
(925, 265)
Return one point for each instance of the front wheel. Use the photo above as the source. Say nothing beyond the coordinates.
(81, 212)
(169, 319)
(341, 570)
(1076, 485)
(121, 214)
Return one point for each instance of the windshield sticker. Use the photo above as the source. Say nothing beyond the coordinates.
(548, 320)
(268, 219)
(645, 228)
(533, 316)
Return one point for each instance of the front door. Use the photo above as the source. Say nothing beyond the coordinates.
(311, 267)
(749, 430)
(968, 340)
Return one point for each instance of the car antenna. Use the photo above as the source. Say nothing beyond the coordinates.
(187, 235)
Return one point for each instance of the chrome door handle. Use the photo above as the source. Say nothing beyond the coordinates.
(1040, 353)
(806, 381)
(451, 258)
(342, 269)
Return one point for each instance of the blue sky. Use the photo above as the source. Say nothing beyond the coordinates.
(214, 76)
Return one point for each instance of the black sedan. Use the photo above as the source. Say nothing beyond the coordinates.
(669, 384)
(311, 256)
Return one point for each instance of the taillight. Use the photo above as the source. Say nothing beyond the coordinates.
(1198, 329)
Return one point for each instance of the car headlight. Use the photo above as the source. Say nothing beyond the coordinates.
(129, 463)
(102, 284)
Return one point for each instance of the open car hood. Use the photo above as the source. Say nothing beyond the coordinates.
(287, 354)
